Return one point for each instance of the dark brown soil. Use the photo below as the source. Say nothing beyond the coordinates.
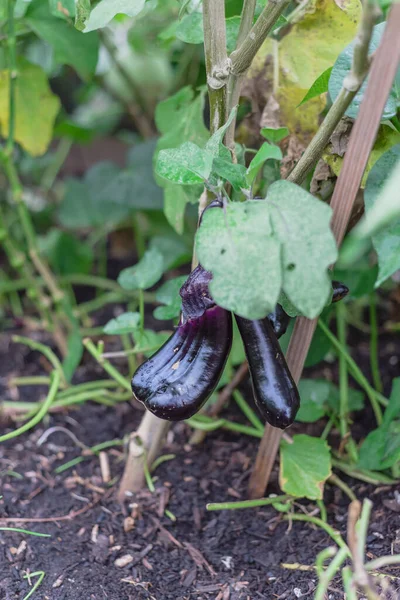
(202, 555)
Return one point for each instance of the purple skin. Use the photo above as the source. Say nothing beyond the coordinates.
(195, 296)
(275, 393)
(176, 381)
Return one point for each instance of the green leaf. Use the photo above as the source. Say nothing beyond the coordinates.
(70, 46)
(106, 10)
(342, 67)
(66, 253)
(319, 397)
(232, 26)
(239, 247)
(232, 172)
(302, 223)
(387, 242)
(215, 144)
(168, 294)
(190, 29)
(314, 396)
(173, 248)
(179, 119)
(320, 86)
(266, 152)
(126, 323)
(175, 199)
(257, 247)
(275, 135)
(145, 273)
(305, 466)
(186, 165)
(33, 96)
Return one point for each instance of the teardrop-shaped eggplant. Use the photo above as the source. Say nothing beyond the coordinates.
(176, 381)
(275, 393)
(339, 291)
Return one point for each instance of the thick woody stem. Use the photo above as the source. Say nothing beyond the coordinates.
(217, 63)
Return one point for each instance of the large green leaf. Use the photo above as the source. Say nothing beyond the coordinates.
(36, 108)
(106, 10)
(145, 273)
(305, 466)
(71, 47)
(126, 323)
(341, 68)
(176, 197)
(255, 249)
(319, 397)
(387, 242)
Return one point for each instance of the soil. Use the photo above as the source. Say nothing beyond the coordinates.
(97, 551)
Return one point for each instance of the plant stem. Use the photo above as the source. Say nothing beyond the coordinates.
(364, 475)
(12, 75)
(343, 375)
(45, 350)
(55, 382)
(335, 535)
(373, 344)
(356, 371)
(335, 480)
(217, 64)
(247, 411)
(235, 81)
(107, 366)
(242, 58)
(351, 84)
(141, 310)
(58, 159)
(246, 503)
(326, 576)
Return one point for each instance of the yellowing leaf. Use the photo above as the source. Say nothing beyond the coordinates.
(385, 140)
(36, 108)
(316, 41)
(300, 57)
(303, 121)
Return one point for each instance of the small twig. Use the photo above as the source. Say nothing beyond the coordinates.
(247, 503)
(107, 366)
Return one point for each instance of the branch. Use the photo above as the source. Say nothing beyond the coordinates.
(235, 81)
(217, 63)
(351, 84)
(242, 58)
(361, 141)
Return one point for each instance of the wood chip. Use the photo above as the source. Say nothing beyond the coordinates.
(104, 467)
(123, 561)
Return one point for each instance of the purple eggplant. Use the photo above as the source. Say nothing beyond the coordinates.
(275, 393)
(339, 291)
(176, 381)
